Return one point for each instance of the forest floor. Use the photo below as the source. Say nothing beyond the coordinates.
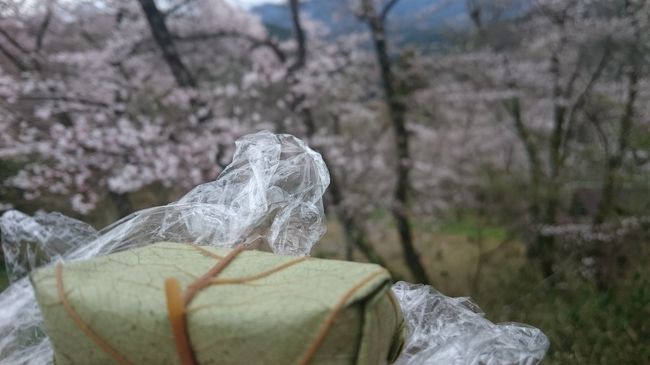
(585, 326)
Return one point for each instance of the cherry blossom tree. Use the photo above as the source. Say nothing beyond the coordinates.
(92, 106)
(528, 103)
(567, 61)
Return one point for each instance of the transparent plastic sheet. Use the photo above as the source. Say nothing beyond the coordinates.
(272, 190)
(30, 242)
(453, 331)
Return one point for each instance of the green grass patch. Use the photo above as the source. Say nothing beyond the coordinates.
(467, 227)
(472, 229)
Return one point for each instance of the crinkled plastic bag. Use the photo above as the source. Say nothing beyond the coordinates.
(30, 242)
(453, 331)
(272, 190)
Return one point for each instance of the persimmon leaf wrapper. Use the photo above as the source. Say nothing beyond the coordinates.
(249, 314)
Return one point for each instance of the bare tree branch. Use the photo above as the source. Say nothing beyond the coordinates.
(299, 33)
(176, 8)
(256, 42)
(387, 8)
(592, 118)
(582, 98)
(163, 38)
(475, 12)
(574, 75)
(13, 42)
(42, 29)
(68, 99)
(16, 61)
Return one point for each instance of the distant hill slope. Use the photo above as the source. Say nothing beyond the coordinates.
(413, 20)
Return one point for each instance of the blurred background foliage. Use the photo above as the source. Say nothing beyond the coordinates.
(493, 149)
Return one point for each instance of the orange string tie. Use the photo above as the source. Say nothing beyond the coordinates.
(177, 303)
(83, 326)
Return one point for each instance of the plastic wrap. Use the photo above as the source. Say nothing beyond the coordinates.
(272, 190)
(29, 242)
(453, 331)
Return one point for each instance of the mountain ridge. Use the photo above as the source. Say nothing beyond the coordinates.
(416, 20)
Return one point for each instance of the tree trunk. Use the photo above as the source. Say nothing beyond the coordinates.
(544, 245)
(532, 155)
(163, 38)
(607, 254)
(15, 60)
(122, 203)
(396, 113)
(299, 34)
(541, 245)
(615, 162)
(354, 233)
